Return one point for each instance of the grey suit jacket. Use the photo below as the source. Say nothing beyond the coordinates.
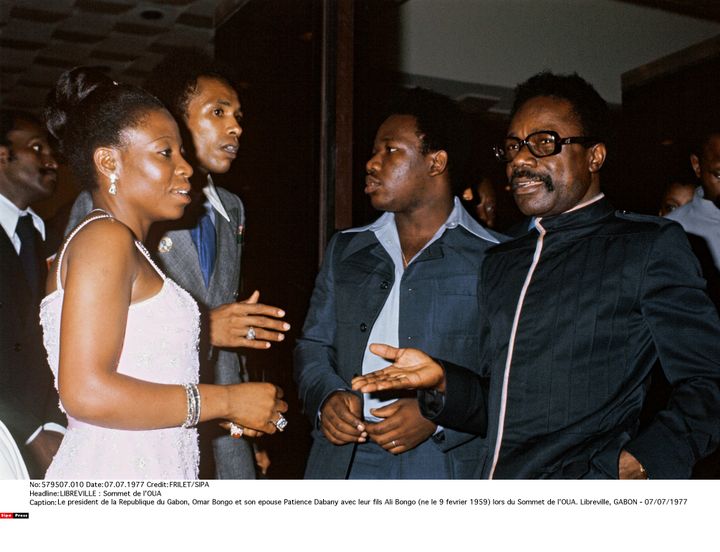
(177, 256)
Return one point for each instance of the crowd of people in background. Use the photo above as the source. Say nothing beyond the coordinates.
(434, 347)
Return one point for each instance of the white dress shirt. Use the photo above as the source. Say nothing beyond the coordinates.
(9, 216)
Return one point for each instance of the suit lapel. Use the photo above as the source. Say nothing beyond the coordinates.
(178, 257)
(226, 271)
(181, 262)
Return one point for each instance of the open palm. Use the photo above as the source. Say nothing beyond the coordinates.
(410, 369)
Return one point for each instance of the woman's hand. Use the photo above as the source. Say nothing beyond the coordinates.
(256, 406)
(410, 369)
(246, 431)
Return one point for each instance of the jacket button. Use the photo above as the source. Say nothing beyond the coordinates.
(363, 327)
(385, 284)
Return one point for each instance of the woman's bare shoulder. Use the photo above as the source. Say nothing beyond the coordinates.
(105, 244)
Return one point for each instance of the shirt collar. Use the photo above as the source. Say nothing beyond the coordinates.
(705, 204)
(9, 215)
(458, 217)
(213, 198)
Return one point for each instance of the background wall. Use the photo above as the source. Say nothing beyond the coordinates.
(498, 43)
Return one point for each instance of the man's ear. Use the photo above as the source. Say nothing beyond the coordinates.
(597, 157)
(105, 161)
(438, 163)
(695, 163)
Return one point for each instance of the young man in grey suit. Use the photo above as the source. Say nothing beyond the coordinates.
(410, 277)
(201, 252)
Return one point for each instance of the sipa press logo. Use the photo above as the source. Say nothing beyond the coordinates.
(14, 515)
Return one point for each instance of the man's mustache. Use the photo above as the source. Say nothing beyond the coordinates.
(525, 174)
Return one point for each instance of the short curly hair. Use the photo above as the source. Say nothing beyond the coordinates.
(8, 122)
(588, 106)
(439, 124)
(174, 80)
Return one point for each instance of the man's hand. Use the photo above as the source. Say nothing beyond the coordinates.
(341, 419)
(403, 427)
(44, 447)
(411, 369)
(629, 467)
(230, 323)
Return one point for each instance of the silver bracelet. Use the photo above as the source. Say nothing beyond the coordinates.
(193, 405)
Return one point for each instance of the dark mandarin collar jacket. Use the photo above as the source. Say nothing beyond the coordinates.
(577, 312)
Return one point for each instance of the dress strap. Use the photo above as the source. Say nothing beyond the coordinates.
(146, 254)
(102, 215)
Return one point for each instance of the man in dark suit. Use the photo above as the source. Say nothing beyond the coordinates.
(28, 401)
(410, 277)
(202, 251)
(577, 311)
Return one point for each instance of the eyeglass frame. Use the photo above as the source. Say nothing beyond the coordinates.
(559, 143)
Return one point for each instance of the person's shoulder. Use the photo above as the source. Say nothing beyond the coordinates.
(629, 222)
(349, 242)
(343, 238)
(227, 197)
(652, 231)
(80, 208)
(103, 236)
(681, 213)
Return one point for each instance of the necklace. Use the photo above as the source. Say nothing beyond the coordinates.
(405, 261)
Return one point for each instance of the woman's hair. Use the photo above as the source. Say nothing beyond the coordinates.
(86, 110)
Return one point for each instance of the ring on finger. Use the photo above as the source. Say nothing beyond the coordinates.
(394, 443)
(281, 423)
(236, 431)
(250, 334)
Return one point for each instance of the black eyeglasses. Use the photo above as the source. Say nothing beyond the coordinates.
(541, 144)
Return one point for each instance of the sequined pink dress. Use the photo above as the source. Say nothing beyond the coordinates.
(161, 346)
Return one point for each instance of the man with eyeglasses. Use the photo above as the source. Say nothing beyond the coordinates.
(578, 310)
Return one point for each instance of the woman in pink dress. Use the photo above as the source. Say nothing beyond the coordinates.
(122, 338)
